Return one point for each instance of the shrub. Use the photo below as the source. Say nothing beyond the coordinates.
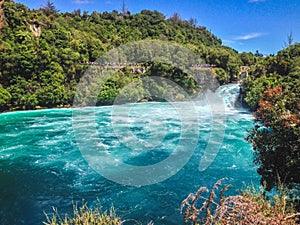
(84, 215)
(251, 207)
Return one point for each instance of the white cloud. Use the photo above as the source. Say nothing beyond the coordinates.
(254, 1)
(83, 2)
(228, 41)
(249, 36)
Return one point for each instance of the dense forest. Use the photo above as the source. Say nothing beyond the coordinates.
(43, 54)
(41, 50)
(273, 93)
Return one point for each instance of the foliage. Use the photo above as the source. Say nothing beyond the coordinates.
(289, 41)
(221, 76)
(85, 215)
(272, 91)
(226, 59)
(49, 8)
(43, 70)
(251, 207)
(248, 58)
(276, 139)
(4, 98)
(255, 87)
(192, 213)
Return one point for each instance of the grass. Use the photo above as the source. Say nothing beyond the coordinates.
(203, 207)
(84, 215)
(251, 207)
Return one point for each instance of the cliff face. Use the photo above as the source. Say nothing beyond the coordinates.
(1, 14)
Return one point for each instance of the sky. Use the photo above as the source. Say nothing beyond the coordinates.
(244, 25)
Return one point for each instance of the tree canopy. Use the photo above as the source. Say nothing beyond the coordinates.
(273, 92)
(42, 51)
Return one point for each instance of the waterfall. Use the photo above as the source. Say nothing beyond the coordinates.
(230, 94)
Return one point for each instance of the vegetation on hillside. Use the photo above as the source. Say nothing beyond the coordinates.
(41, 51)
(84, 215)
(273, 92)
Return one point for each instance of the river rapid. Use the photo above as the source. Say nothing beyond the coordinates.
(41, 165)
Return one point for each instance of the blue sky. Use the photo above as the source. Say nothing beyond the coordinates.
(245, 25)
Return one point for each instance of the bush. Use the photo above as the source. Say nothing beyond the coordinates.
(251, 207)
(84, 215)
(276, 137)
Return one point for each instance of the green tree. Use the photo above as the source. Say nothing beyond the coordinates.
(289, 40)
(44, 70)
(49, 8)
(4, 98)
(276, 138)
(272, 91)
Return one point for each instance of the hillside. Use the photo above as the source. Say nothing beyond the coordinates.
(273, 92)
(41, 50)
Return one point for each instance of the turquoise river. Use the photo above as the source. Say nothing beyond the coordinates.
(41, 165)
